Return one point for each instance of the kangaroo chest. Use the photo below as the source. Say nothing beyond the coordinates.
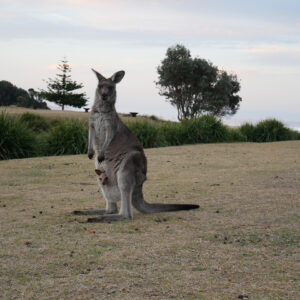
(103, 122)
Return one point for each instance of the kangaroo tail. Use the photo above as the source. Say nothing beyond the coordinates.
(141, 205)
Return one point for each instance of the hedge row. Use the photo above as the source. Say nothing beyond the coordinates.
(33, 135)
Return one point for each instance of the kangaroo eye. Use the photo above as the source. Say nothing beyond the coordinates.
(111, 89)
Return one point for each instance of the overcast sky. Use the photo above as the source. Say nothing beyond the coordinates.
(259, 40)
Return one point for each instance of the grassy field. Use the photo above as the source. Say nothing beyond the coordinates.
(66, 114)
(243, 242)
(58, 114)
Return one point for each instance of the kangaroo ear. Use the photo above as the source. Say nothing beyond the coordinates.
(99, 76)
(117, 77)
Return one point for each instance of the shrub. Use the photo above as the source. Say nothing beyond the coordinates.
(271, 130)
(235, 135)
(247, 130)
(172, 132)
(294, 134)
(35, 122)
(147, 132)
(153, 118)
(68, 137)
(206, 129)
(16, 139)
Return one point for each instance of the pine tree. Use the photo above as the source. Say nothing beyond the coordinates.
(60, 89)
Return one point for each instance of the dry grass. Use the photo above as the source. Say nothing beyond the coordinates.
(66, 114)
(242, 243)
(59, 114)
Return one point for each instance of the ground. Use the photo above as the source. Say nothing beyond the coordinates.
(242, 243)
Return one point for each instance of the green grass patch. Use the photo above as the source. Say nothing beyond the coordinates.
(16, 139)
(69, 137)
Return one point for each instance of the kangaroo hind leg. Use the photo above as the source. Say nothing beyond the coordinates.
(126, 184)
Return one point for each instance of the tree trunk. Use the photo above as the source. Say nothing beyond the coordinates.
(62, 107)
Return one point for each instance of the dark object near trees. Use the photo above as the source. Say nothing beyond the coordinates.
(133, 114)
(86, 109)
(195, 86)
(60, 89)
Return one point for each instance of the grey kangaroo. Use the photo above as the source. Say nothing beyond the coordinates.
(120, 161)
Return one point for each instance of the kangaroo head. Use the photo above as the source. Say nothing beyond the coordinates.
(106, 89)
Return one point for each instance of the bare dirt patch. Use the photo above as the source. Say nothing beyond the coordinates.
(243, 242)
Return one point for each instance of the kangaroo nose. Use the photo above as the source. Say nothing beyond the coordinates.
(104, 97)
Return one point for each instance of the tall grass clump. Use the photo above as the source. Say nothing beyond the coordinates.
(247, 130)
(68, 137)
(147, 132)
(172, 132)
(271, 130)
(235, 135)
(16, 139)
(35, 122)
(206, 129)
(295, 135)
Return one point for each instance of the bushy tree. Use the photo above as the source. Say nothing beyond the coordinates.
(12, 95)
(195, 86)
(60, 90)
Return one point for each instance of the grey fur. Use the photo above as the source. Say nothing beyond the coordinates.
(119, 158)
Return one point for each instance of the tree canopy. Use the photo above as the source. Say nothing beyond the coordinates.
(12, 95)
(195, 86)
(60, 90)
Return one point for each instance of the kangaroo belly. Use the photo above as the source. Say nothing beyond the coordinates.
(111, 192)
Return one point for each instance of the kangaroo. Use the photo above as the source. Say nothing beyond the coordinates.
(120, 161)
